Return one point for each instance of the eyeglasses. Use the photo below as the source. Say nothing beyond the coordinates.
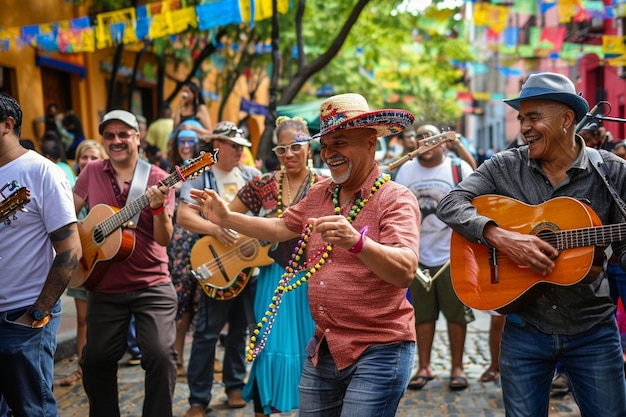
(231, 144)
(230, 132)
(186, 142)
(294, 147)
(121, 135)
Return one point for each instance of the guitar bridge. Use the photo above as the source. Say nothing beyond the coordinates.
(202, 272)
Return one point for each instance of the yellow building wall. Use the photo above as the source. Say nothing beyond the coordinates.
(89, 95)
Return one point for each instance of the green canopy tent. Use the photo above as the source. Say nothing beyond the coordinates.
(309, 111)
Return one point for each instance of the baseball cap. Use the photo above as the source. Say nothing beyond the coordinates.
(123, 116)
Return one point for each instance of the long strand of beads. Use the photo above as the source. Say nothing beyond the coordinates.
(294, 267)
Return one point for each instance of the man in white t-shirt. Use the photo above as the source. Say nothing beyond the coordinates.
(430, 177)
(226, 177)
(39, 249)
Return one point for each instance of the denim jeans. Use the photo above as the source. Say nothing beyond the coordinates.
(27, 364)
(617, 281)
(592, 360)
(209, 321)
(370, 387)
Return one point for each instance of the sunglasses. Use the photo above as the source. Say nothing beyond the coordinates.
(231, 144)
(121, 135)
(187, 142)
(294, 147)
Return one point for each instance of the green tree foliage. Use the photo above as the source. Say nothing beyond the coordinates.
(394, 57)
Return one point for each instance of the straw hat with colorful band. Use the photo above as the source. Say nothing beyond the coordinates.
(229, 131)
(351, 111)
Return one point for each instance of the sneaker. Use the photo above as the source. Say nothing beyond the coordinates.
(560, 385)
(134, 361)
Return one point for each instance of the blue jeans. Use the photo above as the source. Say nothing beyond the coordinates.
(27, 364)
(370, 387)
(131, 337)
(592, 360)
(209, 321)
(617, 281)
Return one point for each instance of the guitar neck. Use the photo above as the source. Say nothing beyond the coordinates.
(591, 236)
(127, 212)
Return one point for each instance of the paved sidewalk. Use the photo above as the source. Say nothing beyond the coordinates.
(434, 400)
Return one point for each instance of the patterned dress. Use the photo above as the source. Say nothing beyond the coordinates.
(276, 370)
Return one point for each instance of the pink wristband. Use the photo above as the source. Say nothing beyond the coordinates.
(358, 247)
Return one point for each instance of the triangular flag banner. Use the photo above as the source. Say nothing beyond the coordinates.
(117, 31)
(29, 33)
(218, 13)
(80, 23)
(47, 42)
(554, 35)
(528, 7)
(570, 51)
(613, 46)
(510, 36)
(142, 29)
(546, 5)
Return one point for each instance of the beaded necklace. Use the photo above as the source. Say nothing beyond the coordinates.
(293, 268)
(279, 198)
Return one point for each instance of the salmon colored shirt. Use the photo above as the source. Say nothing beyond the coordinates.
(148, 264)
(352, 307)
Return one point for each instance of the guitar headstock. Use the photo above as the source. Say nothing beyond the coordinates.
(437, 139)
(197, 165)
(18, 199)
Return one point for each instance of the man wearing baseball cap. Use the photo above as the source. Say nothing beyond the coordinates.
(532, 241)
(361, 235)
(134, 283)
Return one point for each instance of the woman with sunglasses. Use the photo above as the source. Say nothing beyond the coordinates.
(275, 373)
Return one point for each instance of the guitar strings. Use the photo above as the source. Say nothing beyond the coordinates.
(231, 254)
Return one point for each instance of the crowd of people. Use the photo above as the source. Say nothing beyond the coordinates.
(307, 310)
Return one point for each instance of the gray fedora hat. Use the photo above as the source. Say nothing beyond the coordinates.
(553, 87)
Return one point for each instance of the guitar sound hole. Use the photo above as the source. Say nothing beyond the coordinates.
(98, 236)
(247, 250)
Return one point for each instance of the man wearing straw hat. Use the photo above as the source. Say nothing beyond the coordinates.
(573, 324)
(359, 244)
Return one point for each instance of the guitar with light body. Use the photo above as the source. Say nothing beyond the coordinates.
(103, 237)
(220, 269)
(14, 202)
(485, 279)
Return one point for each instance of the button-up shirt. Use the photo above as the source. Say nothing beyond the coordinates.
(352, 307)
(559, 309)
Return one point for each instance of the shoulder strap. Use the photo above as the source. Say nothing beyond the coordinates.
(457, 173)
(598, 164)
(138, 186)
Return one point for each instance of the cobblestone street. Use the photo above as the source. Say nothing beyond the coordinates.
(434, 400)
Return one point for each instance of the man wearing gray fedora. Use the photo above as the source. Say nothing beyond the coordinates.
(548, 242)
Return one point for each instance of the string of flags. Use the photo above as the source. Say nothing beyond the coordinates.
(133, 25)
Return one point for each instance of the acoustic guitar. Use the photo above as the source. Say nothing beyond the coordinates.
(221, 270)
(103, 237)
(485, 279)
(14, 202)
